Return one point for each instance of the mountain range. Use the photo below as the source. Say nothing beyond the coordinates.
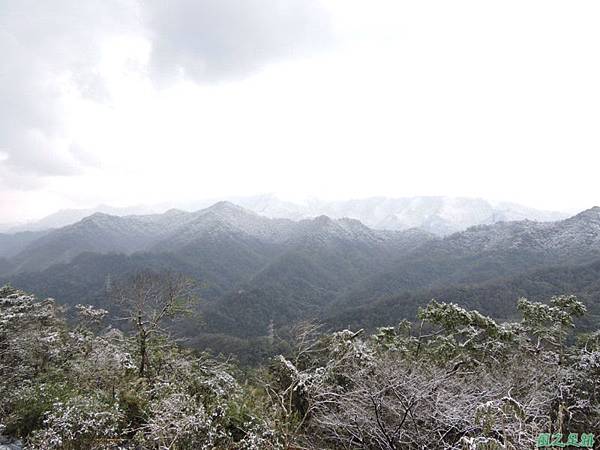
(438, 215)
(256, 273)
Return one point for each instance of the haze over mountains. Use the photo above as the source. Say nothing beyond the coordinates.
(69, 216)
(438, 215)
(256, 272)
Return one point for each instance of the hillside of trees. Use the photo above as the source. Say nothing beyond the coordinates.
(255, 275)
(451, 378)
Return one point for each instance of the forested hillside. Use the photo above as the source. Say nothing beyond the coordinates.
(493, 297)
(256, 276)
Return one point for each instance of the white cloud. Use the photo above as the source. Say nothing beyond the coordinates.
(48, 49)
(458, 98)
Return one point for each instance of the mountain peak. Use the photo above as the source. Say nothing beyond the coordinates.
(228, 207)
(323, 220)
(324, 228)
(590, 214)
(98, 217)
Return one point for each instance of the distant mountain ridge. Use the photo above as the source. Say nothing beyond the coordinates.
(176, 231)
(485, 252)
(251, 269)
(438, 215)
(66, 217)
(256, 272)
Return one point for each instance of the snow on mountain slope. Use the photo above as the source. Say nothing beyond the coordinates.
(580, 232)
(485, 252)
(221, 225)
(438, 215)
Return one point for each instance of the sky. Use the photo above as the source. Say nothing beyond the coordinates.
(128, 102)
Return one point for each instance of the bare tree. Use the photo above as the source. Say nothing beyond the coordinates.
(469, 384)
(149, 300)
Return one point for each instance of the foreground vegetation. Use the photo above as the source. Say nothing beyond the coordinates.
(453, 379)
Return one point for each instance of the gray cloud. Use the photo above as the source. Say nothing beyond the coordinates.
(211, 40)
(43, 46)
(45, 43)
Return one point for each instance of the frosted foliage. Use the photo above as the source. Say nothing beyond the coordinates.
(179, 418)
(84, 421)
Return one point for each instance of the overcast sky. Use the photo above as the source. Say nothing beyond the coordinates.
(142, 102)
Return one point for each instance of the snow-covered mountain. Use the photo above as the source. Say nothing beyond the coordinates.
(253, 268)
(486, 252)
(438, 215)
(179, 231)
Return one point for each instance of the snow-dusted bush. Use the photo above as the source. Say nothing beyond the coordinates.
(179, 419)
(458, 380)
(80, 387)
(81, 422)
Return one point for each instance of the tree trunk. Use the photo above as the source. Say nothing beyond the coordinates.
(142, 337)
(142, 354)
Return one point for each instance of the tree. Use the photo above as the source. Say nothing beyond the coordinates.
(150, 300)
(550, 324)
(463, 381)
